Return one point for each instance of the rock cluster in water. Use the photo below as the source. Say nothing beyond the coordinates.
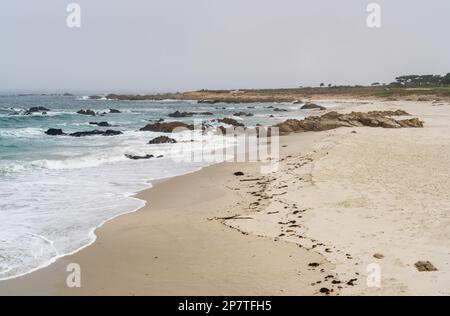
(59, 132)
(166, 127)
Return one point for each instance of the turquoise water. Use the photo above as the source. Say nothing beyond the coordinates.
(55, 190)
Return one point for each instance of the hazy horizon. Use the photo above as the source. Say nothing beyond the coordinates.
(179, 45)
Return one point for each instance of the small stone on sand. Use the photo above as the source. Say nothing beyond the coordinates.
(425, 266)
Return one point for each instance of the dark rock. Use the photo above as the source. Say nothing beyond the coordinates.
(101, 124)
(162, 140)
(167, 127)
(352, 282)
(95, 97)
(311, 106)
(54, 132)
(239, 174)
(188, 114)
(242, 114)
(114, 111)
(314, 264)
(86, 112)
(181, 114)
(96, 133)
(324, 290)
(280, 110)
(138, 157)
(230, 121)
(36, 109)
(425, 266)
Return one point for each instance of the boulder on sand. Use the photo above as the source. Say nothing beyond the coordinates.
(166, 127)
(312, 106)
(162, 140)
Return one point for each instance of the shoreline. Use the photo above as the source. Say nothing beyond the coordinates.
(206, 214)
(56, 272)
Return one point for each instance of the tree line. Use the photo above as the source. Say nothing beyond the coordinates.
(422, 80)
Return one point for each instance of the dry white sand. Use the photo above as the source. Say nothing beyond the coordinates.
(377, 191)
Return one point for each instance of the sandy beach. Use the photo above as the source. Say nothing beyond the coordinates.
(344, 202)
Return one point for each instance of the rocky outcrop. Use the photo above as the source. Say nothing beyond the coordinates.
(181, 114)
(188, 114)
(32, 110)
(86, 112)
(55, 132)
(114, 111)
(96, 133)
(230, 121)
(242, 114)
(59, 132)
(101, 124)
(334, 120)
(312, 106)
(166, 127)
(162, 140)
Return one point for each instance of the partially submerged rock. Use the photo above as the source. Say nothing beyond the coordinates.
(133, 157)
(96, 133)
(181, 114)
(36, 109)
(188, 114)
(114, 111)
(230, 121)
(334, 120)
(55, 132)
(59, 132)
(280, 110)
(86, 112)
(162, 140)
(242, 114)
(166, 127)
(101, 124)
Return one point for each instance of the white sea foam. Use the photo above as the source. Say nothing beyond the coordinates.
(54, 210)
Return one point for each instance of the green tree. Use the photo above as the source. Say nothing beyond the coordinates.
(446, 79)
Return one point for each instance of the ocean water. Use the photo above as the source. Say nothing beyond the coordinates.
(56, 190)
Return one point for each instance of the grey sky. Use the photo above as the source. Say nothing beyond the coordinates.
(173, 45)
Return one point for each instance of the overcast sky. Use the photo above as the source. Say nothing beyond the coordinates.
(174, 45)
